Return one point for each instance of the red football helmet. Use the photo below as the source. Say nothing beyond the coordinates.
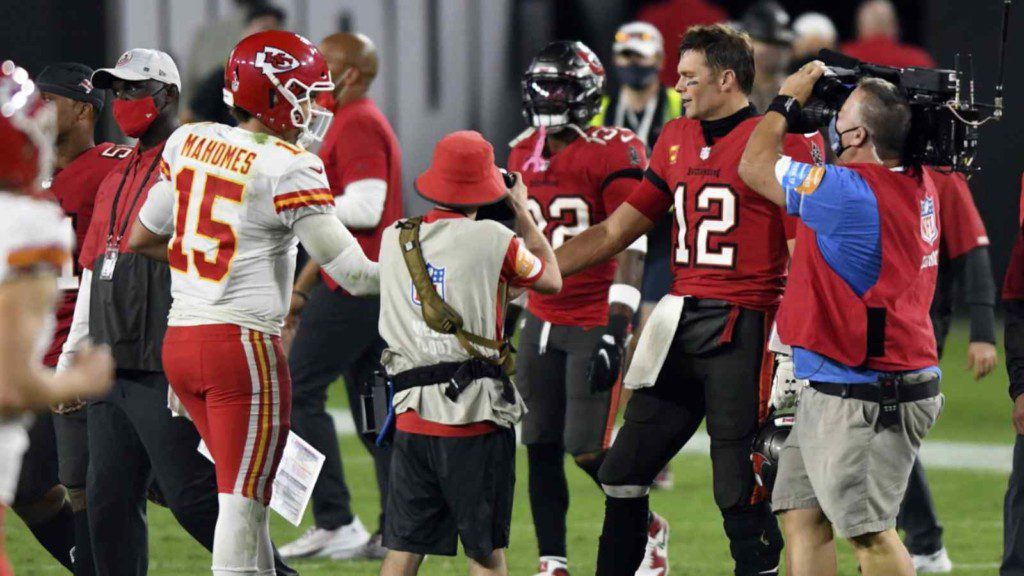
(274, 76)
(28, 130)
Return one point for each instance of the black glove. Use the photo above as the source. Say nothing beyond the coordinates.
(606, 361)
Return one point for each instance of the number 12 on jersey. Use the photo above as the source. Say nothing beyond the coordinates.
(206, 226)
(715, 215)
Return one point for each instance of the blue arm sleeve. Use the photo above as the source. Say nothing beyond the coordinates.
(822, 196)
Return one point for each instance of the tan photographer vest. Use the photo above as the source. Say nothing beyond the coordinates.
(464, 258)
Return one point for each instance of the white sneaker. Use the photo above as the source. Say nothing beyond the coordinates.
(656, 555)
(374, 548)
(937, 563)
(552, 566)
(341, 543)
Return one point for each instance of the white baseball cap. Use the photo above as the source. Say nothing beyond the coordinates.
(139, 64)
(639, 37)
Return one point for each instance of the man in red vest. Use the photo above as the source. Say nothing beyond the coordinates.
(855, 312)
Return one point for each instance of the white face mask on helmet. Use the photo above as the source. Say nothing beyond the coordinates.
(310, 118)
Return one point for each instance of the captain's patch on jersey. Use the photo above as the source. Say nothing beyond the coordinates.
(436, 278)
(803, 178)
(929, 224)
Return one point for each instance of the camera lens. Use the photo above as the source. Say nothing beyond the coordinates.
(818, 113)
(832, 90)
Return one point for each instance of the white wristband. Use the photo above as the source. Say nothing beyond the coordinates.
(775, 343)
(624, 294)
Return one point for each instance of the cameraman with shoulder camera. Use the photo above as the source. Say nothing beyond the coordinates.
(856, 314)
(443, 284)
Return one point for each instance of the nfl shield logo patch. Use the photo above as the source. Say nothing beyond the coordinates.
(929, 225)
(436, 277)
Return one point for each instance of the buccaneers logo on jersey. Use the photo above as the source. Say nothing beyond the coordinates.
(275, 60)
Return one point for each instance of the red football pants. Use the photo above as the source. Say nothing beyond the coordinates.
(234, 382)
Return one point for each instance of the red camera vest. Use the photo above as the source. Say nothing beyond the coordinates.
(888, 328)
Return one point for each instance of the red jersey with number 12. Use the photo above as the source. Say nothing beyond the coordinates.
(728, 241)
(569, 192)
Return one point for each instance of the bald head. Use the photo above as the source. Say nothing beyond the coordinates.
(877, 18)
(343, 51)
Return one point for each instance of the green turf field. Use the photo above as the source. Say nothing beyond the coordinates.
(969, 503)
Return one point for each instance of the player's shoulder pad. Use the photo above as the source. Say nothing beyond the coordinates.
(182, 132)
(809, 147)
(33, 234)
(31, 220)
(620, 147)
(522, 137)
(678, 125)
(305, 160)
(111, 151)
(276, 157)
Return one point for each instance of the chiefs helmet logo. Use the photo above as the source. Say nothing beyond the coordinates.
(86, 85)
(275, 60)
(124, 59)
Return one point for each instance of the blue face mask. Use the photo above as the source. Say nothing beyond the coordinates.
(636, 76)
(835, 137)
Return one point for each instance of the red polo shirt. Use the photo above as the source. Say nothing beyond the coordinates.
(138, 172)
(361, 145)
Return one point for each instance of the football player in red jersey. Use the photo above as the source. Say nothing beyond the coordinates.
(571, 345)
(57, 454)
(703, 352)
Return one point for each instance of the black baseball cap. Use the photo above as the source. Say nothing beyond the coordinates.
(71, 80)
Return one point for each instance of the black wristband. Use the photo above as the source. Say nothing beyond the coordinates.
(788, 106)
(618, 325)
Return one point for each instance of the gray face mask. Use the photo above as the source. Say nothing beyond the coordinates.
(835, 137)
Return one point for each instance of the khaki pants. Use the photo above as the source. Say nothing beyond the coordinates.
(836, 459)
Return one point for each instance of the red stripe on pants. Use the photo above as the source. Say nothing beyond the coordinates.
(217, 372)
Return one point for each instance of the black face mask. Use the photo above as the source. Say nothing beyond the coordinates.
(835, 137)
(636, 76)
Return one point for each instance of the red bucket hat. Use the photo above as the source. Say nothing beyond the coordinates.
(463, 174)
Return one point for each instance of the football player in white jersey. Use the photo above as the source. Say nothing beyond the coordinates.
(228, 219)
(33, 249)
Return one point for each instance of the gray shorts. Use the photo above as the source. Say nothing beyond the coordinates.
(837, 460)
(562, 409)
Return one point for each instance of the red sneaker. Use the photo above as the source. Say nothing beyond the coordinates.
(664, 480)
(656, 555)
